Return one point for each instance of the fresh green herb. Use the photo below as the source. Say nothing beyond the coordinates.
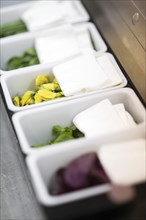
(39, 145)
(12, 28)
(62, 134)
(76, 132)
(29, 58)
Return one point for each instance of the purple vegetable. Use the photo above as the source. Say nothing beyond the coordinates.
(77, 172)
(84, 171)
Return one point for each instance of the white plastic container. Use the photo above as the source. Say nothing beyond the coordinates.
(34, 127)
(42, 167)
(17, 45)
(13, 13)
(19, 81)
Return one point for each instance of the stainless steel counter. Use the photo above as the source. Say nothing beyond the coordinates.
(17, 197)
(123, 26)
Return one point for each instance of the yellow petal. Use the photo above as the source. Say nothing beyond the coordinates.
(45, 99)
(49, 86)
(30, 101)
(58, 89)
(41, 79)
(37, 98)
(16, 101)
(27, 95)
(46, 94)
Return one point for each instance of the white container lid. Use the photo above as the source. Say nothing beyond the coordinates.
(124, 162)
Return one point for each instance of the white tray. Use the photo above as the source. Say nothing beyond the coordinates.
(34, 126)
(22, 80)
(42, 167)
(17, 45)
(13, 13)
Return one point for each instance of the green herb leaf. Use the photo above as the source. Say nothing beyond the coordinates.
(12, 28)
(63, 134)
(28, 58)
(39, 145)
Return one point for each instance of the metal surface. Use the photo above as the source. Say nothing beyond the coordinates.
(141, 6)
(115, 25)
(134, 19)
(17, 197)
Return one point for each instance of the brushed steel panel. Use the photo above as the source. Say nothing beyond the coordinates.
(127, 11)
(121, 40)
(141, 5)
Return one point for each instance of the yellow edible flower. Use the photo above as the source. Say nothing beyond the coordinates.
(30, 101)
(37, 98)
(41, 79)
(45, 94)
(50, 86)
(27, 95)
(45, 91)
(16, 101)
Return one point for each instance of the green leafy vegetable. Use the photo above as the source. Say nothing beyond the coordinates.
(57, 130)
(67, 135)
(39, 145)
(12, 28)
(29, 58)
(62, 134)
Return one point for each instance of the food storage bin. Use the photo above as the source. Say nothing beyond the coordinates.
(13, 13)
(22, 80)
(43, 165)
(24, 42)
(33, 127)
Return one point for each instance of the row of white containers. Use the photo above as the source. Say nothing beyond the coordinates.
(33, 125)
